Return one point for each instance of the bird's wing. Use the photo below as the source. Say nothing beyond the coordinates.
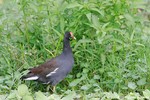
(45, 70)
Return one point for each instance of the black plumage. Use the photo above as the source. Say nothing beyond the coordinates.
(56, 69)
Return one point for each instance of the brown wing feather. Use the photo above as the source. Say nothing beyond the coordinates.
(44, 68)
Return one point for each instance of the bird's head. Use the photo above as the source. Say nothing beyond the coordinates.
(69, 35)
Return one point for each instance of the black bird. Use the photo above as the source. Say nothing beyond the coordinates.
(56, 69)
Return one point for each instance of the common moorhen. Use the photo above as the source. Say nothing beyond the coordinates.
(56, 69)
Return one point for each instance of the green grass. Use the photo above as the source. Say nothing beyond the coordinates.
(112, 51)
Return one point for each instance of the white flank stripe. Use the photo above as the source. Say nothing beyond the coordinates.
(32, 78)
(52, 72)
(46, 83)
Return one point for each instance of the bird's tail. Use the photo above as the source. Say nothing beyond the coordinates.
(29, 76)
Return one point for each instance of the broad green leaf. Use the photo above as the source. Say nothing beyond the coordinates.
(111, 95)
(117, 80)
(74, 82)
(22, 90)
(135, 76)
(96, 77)
(4, 87)
(124, 87)
(132, 85)
(73, 5)
(146, 94)
(115, 96)
(99, 11)
(95, 21)
(40, 96)
(110, 74)
(132, 96)
(100, 40)
(12, 95)
(141, 81)
(102, 70)
(27, 97)
(86, 87)
(85, 70)
(69, 96)
(55, 97)
(130, 19)
(92, 81)
(3, 97)
(17, 75)
(2, 78)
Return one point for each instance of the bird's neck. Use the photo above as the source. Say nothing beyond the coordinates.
(66, 46)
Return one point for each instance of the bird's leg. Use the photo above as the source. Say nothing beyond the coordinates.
(48, 87)
(54, 90)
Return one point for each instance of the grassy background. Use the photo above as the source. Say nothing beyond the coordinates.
(112, 51)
